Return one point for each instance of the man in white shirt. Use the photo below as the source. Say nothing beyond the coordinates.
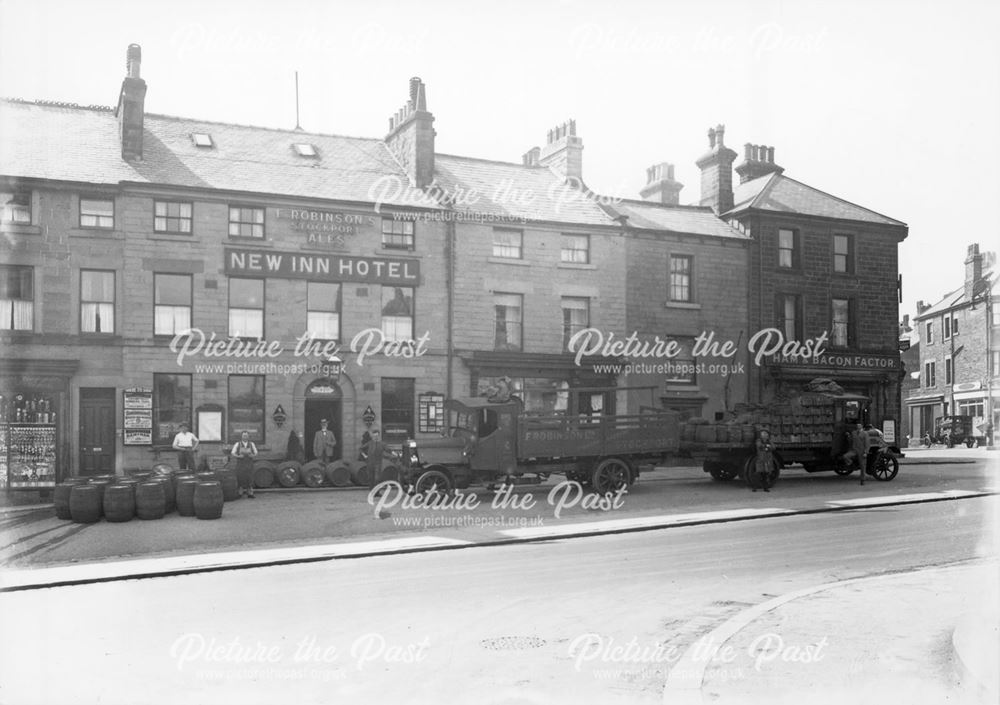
(185, 443)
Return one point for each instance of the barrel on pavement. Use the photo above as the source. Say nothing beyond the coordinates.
(338, 474)
(263, 474)
(119, 503)
(185, 497)
(312, 473)
(149, 500)
(208, 500)
(85, 504)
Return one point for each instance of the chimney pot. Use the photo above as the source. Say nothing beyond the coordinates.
(720, 132)
(711, 138)
(133, 60)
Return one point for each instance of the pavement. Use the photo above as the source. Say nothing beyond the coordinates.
(773, 652)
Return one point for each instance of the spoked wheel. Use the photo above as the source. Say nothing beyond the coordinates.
(610, 475)
(433, 482)
(885, 467)
(721, 472)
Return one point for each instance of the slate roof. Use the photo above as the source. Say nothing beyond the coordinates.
(73, 143)
(951, 300)
(781, 194)
(696, 220)
(515, 191)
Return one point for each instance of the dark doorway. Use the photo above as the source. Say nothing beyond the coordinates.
(97, 431)
(317, 409)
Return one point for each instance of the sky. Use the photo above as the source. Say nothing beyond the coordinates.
(891, 105)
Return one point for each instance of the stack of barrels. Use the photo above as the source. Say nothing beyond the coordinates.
(145, 494)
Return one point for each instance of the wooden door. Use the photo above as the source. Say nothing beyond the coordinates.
(97, 431)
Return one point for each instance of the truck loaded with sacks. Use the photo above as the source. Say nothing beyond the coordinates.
(820, 427)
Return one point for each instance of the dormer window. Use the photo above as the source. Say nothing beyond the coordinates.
(202, 139)
(304, 150)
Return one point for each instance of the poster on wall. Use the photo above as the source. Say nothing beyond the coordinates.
(137, 408)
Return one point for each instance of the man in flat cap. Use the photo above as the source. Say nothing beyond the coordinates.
(324, 443)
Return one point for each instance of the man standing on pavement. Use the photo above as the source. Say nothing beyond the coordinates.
(185, 443)
(324, 443)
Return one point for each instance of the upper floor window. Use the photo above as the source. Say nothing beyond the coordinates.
(843, 254)
(929, 328)
(246, 308)
(97, 301)
(246, 222)
(507, 325)
(680, 278)
(16, 208)
(507, 243)
(841, 323)
(171, 303)
(789, 317)
(397, 313)
(397, 234)
(97, 213)
(576, 316)
(949, 370)
(950, 324)
(929, 374)
(575, 249)
(17, 298)
(323, 310)
(788, 248)
(171, 217)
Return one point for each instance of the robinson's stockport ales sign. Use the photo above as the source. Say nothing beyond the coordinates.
(321, 267)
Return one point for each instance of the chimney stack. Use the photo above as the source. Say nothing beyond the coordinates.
(660, 185)
(411, 136)
(758, 161)
(530, 157)
(973, 270)
(563, 152)
(717, 172)
(131, 106)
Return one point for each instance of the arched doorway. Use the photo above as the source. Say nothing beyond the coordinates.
(323, 401)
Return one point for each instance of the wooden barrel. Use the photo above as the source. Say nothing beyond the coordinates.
(149, 500)
(185, 497)
(208, 500)
(263, 474)
(119, 503)
(288, 473)
(61, 497)
(312, 473)
(360, 475)
(162, 469)
(169, 492)
(338, 474)
(141, 475)
(129, 482)
(230, 485)
(85, 504)
(101, 483)
(390, 473)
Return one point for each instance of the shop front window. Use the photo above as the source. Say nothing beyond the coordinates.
(397, 409)
(171, 406)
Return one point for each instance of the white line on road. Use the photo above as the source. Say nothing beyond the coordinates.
(599, 527)
(213, 561)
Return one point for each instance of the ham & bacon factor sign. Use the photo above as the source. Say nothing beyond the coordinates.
(402, 271)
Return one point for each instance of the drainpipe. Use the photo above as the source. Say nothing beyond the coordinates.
(450, 285)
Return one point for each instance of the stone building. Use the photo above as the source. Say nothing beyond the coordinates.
(959, 353)
(822, 272)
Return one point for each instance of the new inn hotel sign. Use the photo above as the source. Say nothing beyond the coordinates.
(321, 267)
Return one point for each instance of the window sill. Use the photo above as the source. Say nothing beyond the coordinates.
(100, 338)
(683, 305)
(173, 237)
(20, 229)
(258, 241)
(17, 336)
(576, 265)
(92, 233)
(397, 252)
(508, 260)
